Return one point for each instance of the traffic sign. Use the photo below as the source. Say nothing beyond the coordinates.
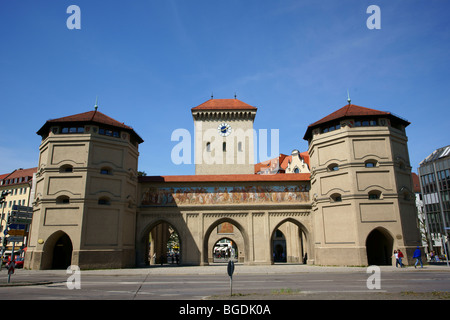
(16, 226)
(22, 208)
(15, 232)
(15, 239)
(19, 221)
(19, 214)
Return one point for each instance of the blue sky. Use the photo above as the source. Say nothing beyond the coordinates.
(149, 62)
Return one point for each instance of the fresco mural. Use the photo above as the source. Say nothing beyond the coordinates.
(224, 195)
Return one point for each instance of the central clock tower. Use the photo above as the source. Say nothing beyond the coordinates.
(224, 137)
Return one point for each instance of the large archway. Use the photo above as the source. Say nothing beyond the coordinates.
(162, 243)
(289, 242)
(57, 251)
(239, 238)
(379, 247)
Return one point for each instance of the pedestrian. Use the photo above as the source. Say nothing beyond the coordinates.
(418, 256)
(400, 257)
(396, 258)
(432, 256)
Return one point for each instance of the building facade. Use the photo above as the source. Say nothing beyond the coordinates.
(345, 202)
(434, 176)
(17, 186)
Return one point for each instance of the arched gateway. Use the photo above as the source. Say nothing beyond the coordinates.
(196, 206)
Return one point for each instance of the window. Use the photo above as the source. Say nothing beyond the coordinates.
(105, 170)
(296, 170)
(370, 164)
(208, 147)
(374, 195)
(108, 132)
(333, 167)
(336, 197)
(63, 200)
(224, 147)
(65, 168)
(72, 130)
(104, 201)
(240, 146)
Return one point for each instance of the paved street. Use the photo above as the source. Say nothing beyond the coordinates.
(212, 282)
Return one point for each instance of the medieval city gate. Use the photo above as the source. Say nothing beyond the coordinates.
(255, 209)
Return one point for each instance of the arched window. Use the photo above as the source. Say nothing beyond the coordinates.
(105, 170)
(333, 167)
(208, 147)
(65, 168)
(104, 201)
(336, 197)
(370, 164)
(374, 195)
(63, 200)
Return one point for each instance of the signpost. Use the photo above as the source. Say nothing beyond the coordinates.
(19, 220)
(230, 270)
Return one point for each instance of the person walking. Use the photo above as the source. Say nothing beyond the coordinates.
(400, 257)
(396, 258)
(418, 256)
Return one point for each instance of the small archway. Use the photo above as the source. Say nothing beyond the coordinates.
(279, 246)
(379, 247)
(223, 250)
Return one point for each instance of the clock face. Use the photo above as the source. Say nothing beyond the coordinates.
(224, 129)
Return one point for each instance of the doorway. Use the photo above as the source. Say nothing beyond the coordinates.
(62, 253)
(379, 247)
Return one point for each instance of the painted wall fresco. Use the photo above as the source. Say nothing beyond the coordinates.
(224, 195)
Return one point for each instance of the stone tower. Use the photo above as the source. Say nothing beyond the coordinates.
(361, 187)
(85, 199)
(224, 137)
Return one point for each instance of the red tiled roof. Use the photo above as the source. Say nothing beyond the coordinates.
(23, 173)
(229, 178)
(224, 104)
(90, 116)
(348, 111)
(283, 161)
(19, 173)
